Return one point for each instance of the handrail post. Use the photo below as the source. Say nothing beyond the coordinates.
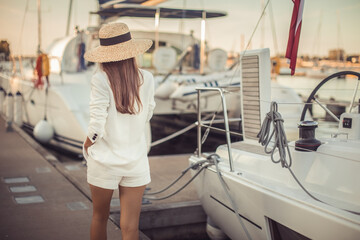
(199, 124)
(226, 123)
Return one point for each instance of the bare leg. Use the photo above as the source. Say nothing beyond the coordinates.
(130, 207)
(101, 207)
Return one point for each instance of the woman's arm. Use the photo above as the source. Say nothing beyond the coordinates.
(99, 103)
(152, 103)
(87, 144)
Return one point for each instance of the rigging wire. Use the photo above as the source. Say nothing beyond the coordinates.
(237, 68)
(215, 159)
(23, 24)
(192, 166)
(180, 189)
(273, 29)
(178, 133)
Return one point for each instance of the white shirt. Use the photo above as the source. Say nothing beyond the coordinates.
(119, 139)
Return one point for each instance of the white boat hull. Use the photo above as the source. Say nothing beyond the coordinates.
(67, 108)
(266, 192)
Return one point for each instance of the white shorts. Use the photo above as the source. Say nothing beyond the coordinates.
(98, 176)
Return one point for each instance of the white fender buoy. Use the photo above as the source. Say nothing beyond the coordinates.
(2, 100)
(9, 108)
(214, 232)
(164, 59)
(18, 109)
(164, 90)
(43, 131)
(217, 59)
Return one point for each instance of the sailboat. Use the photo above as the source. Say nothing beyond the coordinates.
(63, 103)
(264, 188)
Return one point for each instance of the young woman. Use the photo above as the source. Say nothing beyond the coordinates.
(121, 102)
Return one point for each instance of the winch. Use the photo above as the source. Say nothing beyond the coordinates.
(307, 139)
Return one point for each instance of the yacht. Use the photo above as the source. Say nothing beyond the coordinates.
(266, 187)
(176, 60)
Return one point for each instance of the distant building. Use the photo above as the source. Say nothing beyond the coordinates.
(4, 50)
(353, 58)
(337, 54)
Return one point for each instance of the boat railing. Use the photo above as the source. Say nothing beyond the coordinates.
(17, 66)
(60, 72)
(14, 69)
(178, 63)
(226, 120)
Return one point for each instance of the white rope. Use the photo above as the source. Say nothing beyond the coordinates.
(22, 25)
(173, 135)
(178, 133)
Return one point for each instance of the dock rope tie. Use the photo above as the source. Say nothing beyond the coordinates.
(281, 142)
(202, 164)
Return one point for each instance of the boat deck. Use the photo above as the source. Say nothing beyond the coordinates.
(44, 198)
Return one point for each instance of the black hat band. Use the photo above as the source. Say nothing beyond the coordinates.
(115, 40)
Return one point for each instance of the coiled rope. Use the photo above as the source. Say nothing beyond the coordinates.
(280, 142)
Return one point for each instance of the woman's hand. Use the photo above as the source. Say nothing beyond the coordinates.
(87, 144)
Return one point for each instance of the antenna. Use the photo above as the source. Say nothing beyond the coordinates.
(262, 27)
(202, 46)
(317, 43)
(39, 25)
(157, 22)
(69, 18)
(273, 29)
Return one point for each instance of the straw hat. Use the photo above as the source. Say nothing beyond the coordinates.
(116, 44)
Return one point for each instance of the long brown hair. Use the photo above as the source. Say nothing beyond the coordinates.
(125, 80)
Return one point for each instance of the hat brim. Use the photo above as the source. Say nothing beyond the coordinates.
(118, 52)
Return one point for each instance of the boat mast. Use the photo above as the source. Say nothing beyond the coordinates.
(69, 18)
(273, 29)
(262, 27)
(157, 21)
(202, 45)
(338, 52)
(39, 25)
(316, 47)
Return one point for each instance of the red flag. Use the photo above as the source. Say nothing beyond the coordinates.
(294, 33)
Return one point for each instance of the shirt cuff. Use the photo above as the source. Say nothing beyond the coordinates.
(93, 137)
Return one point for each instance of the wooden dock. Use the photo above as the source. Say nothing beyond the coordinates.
(44, 198)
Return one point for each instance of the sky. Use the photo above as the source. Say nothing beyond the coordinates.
(327, 24)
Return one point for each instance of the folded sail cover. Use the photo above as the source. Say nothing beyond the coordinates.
(103, 3)
(136, 10)
(294, 34)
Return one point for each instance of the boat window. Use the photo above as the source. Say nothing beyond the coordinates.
(73, 57)
(281, 232)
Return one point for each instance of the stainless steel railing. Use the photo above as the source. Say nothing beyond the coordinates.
(201, 123)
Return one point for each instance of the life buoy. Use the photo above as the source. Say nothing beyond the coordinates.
(81, 51)
(45, 65)
(42, 69)
(38, 83)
